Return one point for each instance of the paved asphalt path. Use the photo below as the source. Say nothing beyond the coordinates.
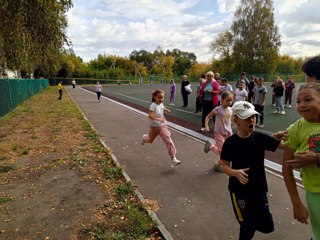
(194, 200)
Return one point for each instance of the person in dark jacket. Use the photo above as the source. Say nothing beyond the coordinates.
(185, 94)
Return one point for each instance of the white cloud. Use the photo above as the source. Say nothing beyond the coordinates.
(119, 26)
(227, 6)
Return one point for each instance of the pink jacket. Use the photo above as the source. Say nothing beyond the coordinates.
(215, 87)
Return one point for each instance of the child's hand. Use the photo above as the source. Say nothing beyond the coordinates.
(300, 213)
(163, 119)
(242, 176)
(281, 135)
(206, 129)
(168, 110)
(301, 159)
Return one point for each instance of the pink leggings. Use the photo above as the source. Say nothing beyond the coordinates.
(219, 138)
(164, 134)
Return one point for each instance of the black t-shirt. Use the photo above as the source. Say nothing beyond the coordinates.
(248, 153)
(251, 86)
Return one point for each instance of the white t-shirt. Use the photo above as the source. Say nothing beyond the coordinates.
(98, 88)
(158, 112)
(224, 88)
(240, 95)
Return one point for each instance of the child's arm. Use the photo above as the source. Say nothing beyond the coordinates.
(263, 99)
(240, 174)
(153, 118)
(304, 158)
(300, 159)
(206, 122)
(300, 212)
(167, 110)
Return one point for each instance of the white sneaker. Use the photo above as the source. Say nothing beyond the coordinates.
(175, 162)
(289, 106)
(275, 111)
(142, 141)
(282, 112)
(202, 129)
(261, 126)
(273, 105)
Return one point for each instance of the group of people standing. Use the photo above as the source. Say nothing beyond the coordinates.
(241, 155)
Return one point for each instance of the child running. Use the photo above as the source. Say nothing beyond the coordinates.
(159, 126)
(222, 126)
(98, 90)
(304, 137)
(242, 157)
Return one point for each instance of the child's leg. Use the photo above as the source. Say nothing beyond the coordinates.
(278, 104)
(166, 136)
(153, 133)
(281, 103)
(219, 138)
(262, 115)
(290, 97)
(241, 210)
(273, 99)
(253, 214)
(171, 97)
(313, 203)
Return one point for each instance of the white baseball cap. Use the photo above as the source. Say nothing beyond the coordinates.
(243, 109)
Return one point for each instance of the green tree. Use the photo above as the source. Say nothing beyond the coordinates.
(71, 65)
(182, 61)
(163, 66)
(142, 57)
(256, 38)
(222, 46)
(32, 32)
(195, 71)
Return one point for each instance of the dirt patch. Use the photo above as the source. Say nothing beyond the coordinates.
(49, 208)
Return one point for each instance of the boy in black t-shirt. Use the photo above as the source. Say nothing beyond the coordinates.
(242, 158)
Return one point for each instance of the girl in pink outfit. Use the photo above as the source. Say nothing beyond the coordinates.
(222, 126)
(158, 125)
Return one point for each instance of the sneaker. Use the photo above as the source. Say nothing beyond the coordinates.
(217, 167)
(273, 105)
(275, 111)
(202, 129)
(282, 112)
(289, 106)
(206, 148)
(142, 141)
(261, 126)
(175, 162)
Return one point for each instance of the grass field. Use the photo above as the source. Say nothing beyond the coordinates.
(141, 95)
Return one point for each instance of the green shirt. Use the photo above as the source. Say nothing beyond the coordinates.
(305, 136)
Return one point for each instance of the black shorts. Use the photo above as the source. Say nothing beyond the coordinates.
(252, 212)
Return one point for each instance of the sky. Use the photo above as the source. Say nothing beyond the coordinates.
(118, 27)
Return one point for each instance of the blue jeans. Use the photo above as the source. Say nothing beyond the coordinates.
(279, 104)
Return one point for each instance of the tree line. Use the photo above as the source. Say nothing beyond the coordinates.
(32, 36)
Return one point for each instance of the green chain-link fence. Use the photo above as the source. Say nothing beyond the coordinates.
(15, 91)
